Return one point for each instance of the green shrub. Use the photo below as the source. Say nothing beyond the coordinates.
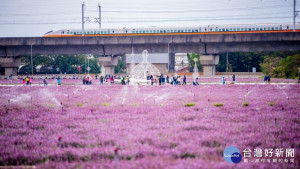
(134, 104)
(106, 104)
(188, 155)
(218, 104)
(246, 104)
(189, 104)
(79, 104)
(271, 103)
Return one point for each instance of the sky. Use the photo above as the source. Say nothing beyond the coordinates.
(33, 18)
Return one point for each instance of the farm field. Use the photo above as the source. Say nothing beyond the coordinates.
(93, 126)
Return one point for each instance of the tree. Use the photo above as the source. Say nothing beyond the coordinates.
(284, 67)
(269, 65)
(191, 61)
(121, 67)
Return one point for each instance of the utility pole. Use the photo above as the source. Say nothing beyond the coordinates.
(227, 62)
(294, 15)
(98, 20)
(99, 7)
(31, 59)
(82, 19)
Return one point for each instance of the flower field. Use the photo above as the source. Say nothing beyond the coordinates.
(93, 126)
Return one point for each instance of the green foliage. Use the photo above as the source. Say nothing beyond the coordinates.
(246, 104)
(191, 57)
(129, 158)
(189, 104)
(218, 104)
(240, 62)
(61, 64)
(79, 104)
(281, 66)
(134, 104)
(187, 155)
(121, 67)
(106, 104)
(271, 103)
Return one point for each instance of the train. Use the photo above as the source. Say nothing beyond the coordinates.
(209, 29)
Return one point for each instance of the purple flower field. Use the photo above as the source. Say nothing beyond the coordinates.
(93, 126)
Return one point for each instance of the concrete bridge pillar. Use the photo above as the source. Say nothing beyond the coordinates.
(11, 65)
(109, 64)
(171, 62)
(209, 63)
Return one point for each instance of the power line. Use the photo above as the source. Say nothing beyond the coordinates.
(164, 11)
(186, 20)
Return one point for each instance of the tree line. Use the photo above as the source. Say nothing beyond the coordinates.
(275, 64)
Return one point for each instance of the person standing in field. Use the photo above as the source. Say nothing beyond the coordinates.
(101, 80)
(184, 80)
(30, 80)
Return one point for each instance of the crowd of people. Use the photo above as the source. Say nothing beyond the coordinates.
(125, 79)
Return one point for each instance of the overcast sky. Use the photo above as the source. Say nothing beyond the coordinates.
(31, 18)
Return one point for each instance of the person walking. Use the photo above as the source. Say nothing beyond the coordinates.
(269, 79)
(184, 80)
(127, 80)
(233, 77)
(58, 81)
(83, 80)
(45, 81)
(24, 81)
(101, 80)
(266, 78)
(27, 80)
(30, 80)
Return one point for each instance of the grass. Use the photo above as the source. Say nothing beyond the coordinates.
(189, 104)
(218, 104)
(134, 104)
(271, 103)
(79, 104)
(246, 104)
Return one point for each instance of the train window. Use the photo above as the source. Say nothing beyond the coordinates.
(276, 28)
(238, 29)
(147, 31)
(205, 29)
(265, 28)
(227, 29)
(269, 28)
(196, 30)
(168, 30)
(189, 30)
(242, 29)
(171, 30)
(280, 28)
(272, 28)
(287, 27)
(104, 32)
(164, 31)
(261, 29)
